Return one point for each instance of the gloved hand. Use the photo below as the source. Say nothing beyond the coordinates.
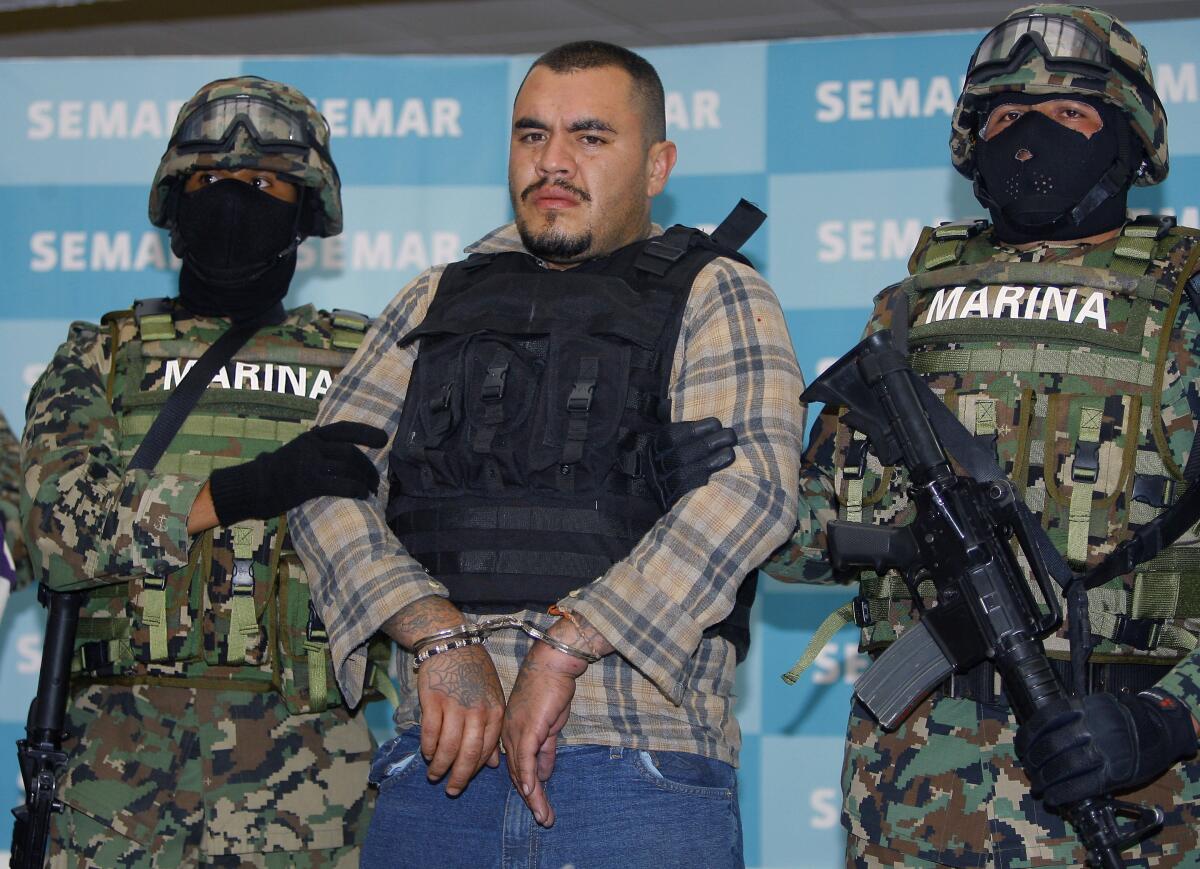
(684, 454)
(1079, 748)
(322, 461)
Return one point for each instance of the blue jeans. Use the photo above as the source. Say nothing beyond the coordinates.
(614, 807)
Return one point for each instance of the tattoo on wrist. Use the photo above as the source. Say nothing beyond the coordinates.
(422, 618)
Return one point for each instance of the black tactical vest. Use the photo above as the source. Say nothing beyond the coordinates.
(517, 471)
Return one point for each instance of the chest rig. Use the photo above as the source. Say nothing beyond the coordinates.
(238, 615)
(1059, 365)
(518, 470)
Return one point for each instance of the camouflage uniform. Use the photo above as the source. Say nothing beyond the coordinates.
(1106, 371)
(10, 499)
(205, 726)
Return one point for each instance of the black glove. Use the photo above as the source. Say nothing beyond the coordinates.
(1080, 748)
(684, 454)
(322, 461)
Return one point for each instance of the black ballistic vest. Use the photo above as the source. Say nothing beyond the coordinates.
(517, 471)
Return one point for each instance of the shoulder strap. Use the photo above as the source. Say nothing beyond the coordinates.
(155, 318)
(349, 327)
(659, 255)
(180, 403)
(946, 243)
(741, 223)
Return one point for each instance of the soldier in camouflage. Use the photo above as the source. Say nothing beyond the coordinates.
(1067, 337)
(205, 725)
(14, 562)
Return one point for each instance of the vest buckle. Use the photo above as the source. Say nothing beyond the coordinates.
(1157, 491)
(493, 384)
(315, 629)
(856, 460)
(242, 579)
(862, 612)
(1142, 634)
(580, 400)
(1085, 468)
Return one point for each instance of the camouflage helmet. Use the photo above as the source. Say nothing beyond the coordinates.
(1058, 48)
(249, 122)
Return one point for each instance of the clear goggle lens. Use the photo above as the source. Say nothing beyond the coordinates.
(267, 123)
(1057, 38)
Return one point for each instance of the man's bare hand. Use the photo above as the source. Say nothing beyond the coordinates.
(538, 709)
(462, 703)
(462, 709)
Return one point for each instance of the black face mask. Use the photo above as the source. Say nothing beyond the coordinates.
(238, 246)
(1033, 199)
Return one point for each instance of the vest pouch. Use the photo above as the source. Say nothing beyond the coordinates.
(502, 376)
(575, 447)
(239, 590)
(303, 667)
(1089, 443)
(164, 612)
(432, 414)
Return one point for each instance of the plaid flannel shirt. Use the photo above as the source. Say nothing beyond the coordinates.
(667, 687)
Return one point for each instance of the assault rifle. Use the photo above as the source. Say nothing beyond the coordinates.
(960, 540)
(40, 753)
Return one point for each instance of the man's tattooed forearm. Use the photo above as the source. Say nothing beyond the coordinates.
(422, 618)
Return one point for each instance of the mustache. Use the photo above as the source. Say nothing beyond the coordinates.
(583, 195)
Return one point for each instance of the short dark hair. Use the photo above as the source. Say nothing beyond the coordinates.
(593, 54)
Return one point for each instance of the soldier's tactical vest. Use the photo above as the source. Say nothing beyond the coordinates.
(518, 467)
(1063, 367)
(239, 615)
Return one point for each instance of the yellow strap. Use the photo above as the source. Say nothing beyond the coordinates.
(243, 541)
(344, 339)
(317, 686)
(1081, 494)
(834, 622)
(243, 627)
(156, 327)
(154, 616)
(941, 253)
(854, 497)
(985, 416)
(382, 683)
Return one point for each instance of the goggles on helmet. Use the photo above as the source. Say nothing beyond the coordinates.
(272, 127)
(1061, 40)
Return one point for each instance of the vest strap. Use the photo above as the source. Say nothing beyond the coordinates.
(658, 255)
(155, 319)
(316, 650)
(737, 227)
(379, 679)
(349, 327)
(948, 241)
(154, 615)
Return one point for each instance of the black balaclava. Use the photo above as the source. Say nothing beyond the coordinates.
(1071, 187)
(238, 246)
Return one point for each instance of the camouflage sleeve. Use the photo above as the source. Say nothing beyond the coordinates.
(1181, 416)
(1184, 682)
(88, 521)
(804, 558)
(10, 503)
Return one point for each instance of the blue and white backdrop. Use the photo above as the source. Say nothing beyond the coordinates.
(842, 141)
